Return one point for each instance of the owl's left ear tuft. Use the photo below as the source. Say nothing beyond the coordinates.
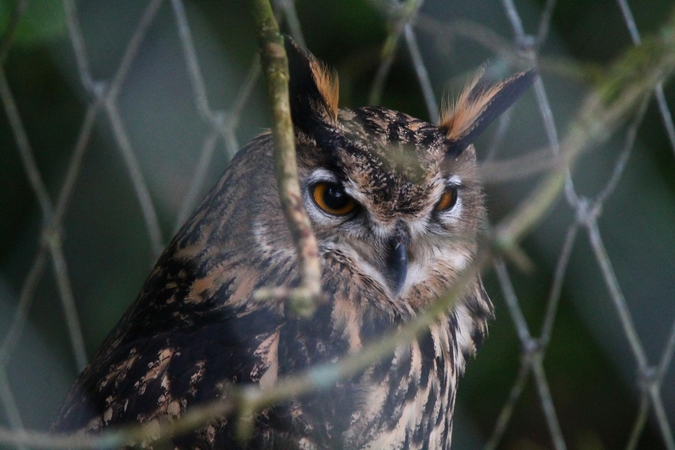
(479, 105)
(313, 89)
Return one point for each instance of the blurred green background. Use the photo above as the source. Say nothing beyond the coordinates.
(591, 372)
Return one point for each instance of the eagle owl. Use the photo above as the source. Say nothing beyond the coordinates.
(396, 208)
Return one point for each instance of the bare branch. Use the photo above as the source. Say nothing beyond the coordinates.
(305, 297)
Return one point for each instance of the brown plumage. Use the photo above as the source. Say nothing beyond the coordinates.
(396, 209)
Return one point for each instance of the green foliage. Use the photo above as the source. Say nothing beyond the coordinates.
(43, 20)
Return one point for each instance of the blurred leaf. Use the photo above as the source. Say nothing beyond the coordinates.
(43, 20)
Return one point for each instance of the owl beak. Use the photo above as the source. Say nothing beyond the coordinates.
(397, 262)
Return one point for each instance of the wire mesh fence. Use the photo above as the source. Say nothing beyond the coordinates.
(118, 118)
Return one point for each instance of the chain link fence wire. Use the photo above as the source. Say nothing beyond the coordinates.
(118, 116)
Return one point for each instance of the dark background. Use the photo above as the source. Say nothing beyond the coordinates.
(591, 372)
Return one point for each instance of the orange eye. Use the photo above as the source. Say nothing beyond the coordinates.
(448, 199)
(332, 198)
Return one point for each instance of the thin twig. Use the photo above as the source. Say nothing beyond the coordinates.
(305, 297)
(116, 438)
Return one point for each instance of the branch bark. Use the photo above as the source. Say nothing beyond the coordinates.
(304, 298)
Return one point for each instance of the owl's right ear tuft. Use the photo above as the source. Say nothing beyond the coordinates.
(313, 89)
(479, 105)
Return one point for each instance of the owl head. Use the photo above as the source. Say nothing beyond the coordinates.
(396, 195)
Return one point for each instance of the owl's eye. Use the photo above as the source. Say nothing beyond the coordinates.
(448, 199)
(332, 198)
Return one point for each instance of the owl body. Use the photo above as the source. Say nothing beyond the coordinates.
(396, 208)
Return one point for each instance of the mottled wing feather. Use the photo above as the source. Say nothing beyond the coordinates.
(192, 328)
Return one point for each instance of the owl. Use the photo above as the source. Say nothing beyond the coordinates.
(396, 207)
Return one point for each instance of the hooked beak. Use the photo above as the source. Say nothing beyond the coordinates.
(397, 261)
